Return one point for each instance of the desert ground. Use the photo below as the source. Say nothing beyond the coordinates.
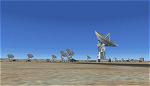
(45, 73)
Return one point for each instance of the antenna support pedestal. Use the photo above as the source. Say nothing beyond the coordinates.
(101, 52)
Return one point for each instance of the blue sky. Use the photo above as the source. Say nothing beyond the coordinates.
(46, 27)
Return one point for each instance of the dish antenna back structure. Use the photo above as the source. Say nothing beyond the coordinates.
(103, 41)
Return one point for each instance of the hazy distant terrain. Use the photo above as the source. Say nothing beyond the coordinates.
(44, 73)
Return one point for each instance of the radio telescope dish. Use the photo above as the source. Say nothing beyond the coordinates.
(54, 56)
(10, 56)
(105, 39)
(63, 53)
(30, 55)
(70, 53)
(102, 42)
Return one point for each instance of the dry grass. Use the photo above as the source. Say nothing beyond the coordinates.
(42, 73)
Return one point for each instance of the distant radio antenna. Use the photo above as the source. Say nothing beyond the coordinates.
(54, 58)
(63, 54)
(70, 53)
(30, 56)
(10, 57)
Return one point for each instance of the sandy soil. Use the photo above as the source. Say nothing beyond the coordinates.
(43, 73)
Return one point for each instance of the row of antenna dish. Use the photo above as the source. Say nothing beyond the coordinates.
(66, 53)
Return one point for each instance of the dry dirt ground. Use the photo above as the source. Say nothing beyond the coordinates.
(44, 73)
